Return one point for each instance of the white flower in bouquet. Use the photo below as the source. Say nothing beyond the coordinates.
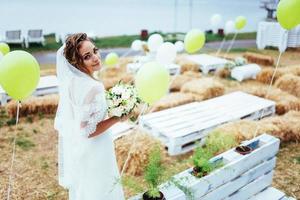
(121, 100)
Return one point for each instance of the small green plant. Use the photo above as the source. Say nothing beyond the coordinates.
(153, 173)
(216, 143)
(202, 166)
(153, 176)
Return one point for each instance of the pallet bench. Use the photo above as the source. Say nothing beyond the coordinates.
(179, 128)
(240, 177)
(208, 63)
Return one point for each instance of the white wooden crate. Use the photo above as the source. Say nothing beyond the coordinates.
(46, 85)
(238, 170)
(271, 193)
(179, 128)
(208, 63)
(241, 176)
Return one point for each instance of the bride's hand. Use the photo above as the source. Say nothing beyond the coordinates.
(126, 117)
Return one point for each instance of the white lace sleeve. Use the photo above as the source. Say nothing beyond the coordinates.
(94, 110)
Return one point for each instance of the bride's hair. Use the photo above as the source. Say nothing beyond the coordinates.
(71, 50)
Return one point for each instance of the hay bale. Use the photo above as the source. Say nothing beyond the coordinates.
(172, 100)
(34, 105)
(223, 72)
(187, 65)
(289, 83)
(140, 151)
(204, 88)
(284, 101)
(259, 59)
(265, 75)
(109, 82)
(285, 127)
(178, 81)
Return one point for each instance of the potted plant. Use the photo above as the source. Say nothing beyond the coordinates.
(153, 177)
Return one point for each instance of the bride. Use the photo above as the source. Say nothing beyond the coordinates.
(87, 162)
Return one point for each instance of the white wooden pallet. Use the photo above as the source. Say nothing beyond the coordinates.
(208, 63)
(271, 193)
(181, 127)
(46, 85)
(241, 176)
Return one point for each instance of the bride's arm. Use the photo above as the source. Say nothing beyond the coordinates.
(104, 125)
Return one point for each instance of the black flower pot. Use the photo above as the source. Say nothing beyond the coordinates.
(243, 150)
(146, 197)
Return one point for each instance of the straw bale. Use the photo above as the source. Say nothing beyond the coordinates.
(172, 100)
(34, 105)
(204, 88)
(289, 83)
(140, 151)
(187, 65)
(284, 101)
(259, 58)
(265, 75)
(285, 127)
(223, 72)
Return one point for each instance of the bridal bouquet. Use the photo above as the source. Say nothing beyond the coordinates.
(121, 100)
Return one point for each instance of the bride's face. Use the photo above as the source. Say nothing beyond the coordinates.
(90, 55)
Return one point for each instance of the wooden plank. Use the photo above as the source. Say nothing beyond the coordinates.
(269, 193)
(253, 187)
(225, 190)
(183, 125)
(234, 165)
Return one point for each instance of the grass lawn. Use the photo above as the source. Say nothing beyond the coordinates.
(123, 41)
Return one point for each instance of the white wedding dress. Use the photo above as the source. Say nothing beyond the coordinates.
(87, 166)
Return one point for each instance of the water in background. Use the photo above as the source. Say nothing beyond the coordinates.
(117, 17)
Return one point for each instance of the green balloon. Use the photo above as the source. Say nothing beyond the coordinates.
(194, 41)
(240, 22)
(19, 74)
(288, 13)
(4, 48)
(152, 82)
(111, 59)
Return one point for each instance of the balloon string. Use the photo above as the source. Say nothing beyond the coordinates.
(221, 46)
(145, 106)
(231, 44)
(126, 53)
(13, 154)
(267, 95)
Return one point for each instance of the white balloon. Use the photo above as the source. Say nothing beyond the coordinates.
(154, 42)
(229, 27)
(216, 20)
(136, 45)
(179, 46)
(166, 53)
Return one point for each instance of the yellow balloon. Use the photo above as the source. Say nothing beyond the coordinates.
(152, 82)
(19, 74)
(240, 22)
(194, 41)
(4, 48)
(288, 13)
(111, 59)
